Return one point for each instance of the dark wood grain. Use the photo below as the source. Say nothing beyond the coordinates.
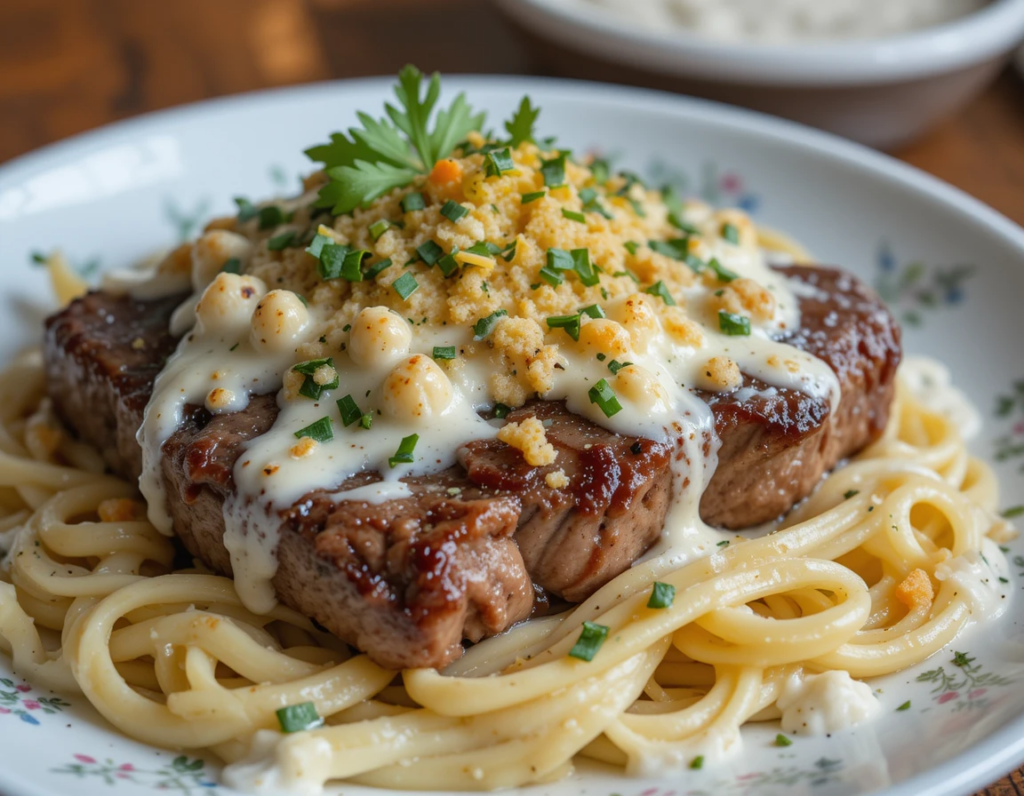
(71, 65)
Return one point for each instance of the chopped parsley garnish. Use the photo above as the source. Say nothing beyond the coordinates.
(501, 411)
(850, 493)
(341, 262)
(390, 153)
(637, 208)
(349, 411)
(520, 126)
(584, 270)
(731, 233)
(591, 638)
(732, 324)
(533, 197)
(615, 366)
(509, 253)
(602, 395)
(485, 326)
(309, 387)
(631, 246)
(405, 285)
(553, 171)
(297, 718)
(572, 215)
(560, 260)
(904, 706)
(662, 595)
(593, 310)
(413, 201)
(498, 163)
(783, 740)
(697, 763)
(282, 241)
(376, 268)
(430, 252)
(571, 324)
(404, 454)
(723, 273)
(1015, 511)
(589, 197)
(676, 249)
(659, 289)
(453, 211)
(601, 170)
(444, 352)
(723, 543)
(232, 266)
(321, 430)
(378, 228)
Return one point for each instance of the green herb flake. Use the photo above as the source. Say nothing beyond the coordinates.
(509, 252)
(499, 162)
(298, 718)
(631, 246)
(850, 493)
(659, 289)
(721, 272)
(601, 171)
(662, 595)
(310, 388)
(783, 740)
(533, 197)
(316, 246)
(583, 267)
(723, 543)
(615, 366)
(413, 201)
(282, 241)
(332, 260)
(321, 430)
(453, 211)
(444, 352)
(553, 171)
(731, 233)
(501, 411)
(404, 454)
(378, 228)
(1015, 511)
(232, 266)
(697, 763)
(572, 215)
(448, 264)
(571, 324)
(603, 395)
(405, 285)
(246, 209)
(350, 412)
(485, 249)
(430, 252)
(904, 706)
(366, 421)
(485, 326)
(591, 638)
(732, 324)
(272, 216)
(594, 311)
(376, 268)
(352, 265)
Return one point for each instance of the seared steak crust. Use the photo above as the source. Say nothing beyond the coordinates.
(406, 581)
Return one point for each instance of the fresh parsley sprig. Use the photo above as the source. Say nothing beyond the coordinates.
(390, 153)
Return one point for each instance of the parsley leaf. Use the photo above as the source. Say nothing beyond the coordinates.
(520, 126)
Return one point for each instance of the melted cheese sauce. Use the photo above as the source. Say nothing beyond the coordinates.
(820, 704)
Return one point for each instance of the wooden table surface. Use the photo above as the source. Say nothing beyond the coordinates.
(72, 65)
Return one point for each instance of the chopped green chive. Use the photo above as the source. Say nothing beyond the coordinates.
(572, 215)
(453, 211)
(430, 252)
(232, 266)
(321, 430)
(509, 253)
(485, 326)
(352, 265)
(732, 324)
(584, 270)
(696, 264)
(553, 278)
(731, 233)
(553, 171)
(850, 493)
(675, 249)
(332, 261)
(615, 366)
(272, 216)
(697, 763)
(659, 289)
(316, 246)
(631, 246)
(602, 357)
(350, 412)
(297, 718)
(589, 197)
(246, 209)
(413, 201)
(560, 260)
(662, 596)
(444, 352)
(498, 162)
(591, 638)
(637, 207)
(533, 197)
(448, 264)
(602, 395)
(571, 324)
(723, 273)
(1003, 580)
(628, 273)
(485, 249)
(594, 311)
(601, 170)
(282, 241)
(405, 285)
(782, 740)
(501, 411)
(366, 421)
(405, 451)
(723, 543)
(376, 268)
(904, 706)
(309, 387)
(1015, 511)
(378, 228)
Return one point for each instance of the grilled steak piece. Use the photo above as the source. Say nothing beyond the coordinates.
(408, 580)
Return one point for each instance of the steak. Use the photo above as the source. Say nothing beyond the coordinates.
(461, 557)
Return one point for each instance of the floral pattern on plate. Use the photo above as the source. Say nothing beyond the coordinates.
(16, 699)
(965, 685)
(913, 289)
(183, 775)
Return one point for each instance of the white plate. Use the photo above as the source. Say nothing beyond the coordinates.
(953, 270)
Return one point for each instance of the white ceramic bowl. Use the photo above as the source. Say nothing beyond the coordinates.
(882, 92)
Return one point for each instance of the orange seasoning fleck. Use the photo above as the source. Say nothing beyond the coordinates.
(446, 171)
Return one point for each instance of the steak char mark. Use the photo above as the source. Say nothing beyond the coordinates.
(406, 581)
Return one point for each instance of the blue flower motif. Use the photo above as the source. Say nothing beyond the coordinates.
(954, 295)
(28, 719)
(749, 203)
(886, 261)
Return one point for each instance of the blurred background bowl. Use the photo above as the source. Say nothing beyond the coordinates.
(882, 92)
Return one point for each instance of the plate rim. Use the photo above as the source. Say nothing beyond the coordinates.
(977, 766)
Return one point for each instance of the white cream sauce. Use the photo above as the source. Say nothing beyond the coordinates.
(820, 704)
(785, 21)
(977, 578)
(930, 383)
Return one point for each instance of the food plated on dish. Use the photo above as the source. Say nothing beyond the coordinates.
(476, 388)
